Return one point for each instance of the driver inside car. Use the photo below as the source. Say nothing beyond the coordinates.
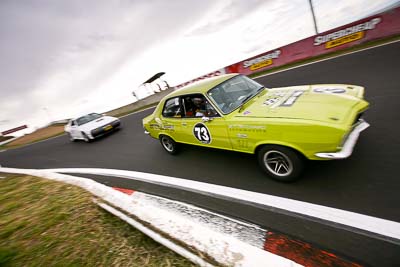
(200, 107)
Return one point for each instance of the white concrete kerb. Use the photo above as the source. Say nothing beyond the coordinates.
(224, 248)
(363, 222)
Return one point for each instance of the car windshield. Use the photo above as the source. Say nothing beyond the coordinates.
(88, 118)
(234, 92)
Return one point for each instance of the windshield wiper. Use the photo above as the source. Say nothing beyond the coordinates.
(246, 98)
(260, 90)
(250, 96)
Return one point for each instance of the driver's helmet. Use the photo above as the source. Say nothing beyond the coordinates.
(198, 101)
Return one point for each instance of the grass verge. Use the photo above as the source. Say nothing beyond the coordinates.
(39, 135)
(5, 138)
(44, 222)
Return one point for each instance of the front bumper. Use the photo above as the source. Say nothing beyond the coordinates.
(348, 146)
(106, 129)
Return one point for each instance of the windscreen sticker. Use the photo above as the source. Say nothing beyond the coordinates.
(202, 133)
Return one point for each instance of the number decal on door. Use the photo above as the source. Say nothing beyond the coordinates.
(201, 133)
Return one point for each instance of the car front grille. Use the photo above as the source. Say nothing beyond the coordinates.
(101, 130)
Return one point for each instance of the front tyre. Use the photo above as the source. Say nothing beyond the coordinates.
(169, 144)
(280, 163)
(71, 138)
(85, 138)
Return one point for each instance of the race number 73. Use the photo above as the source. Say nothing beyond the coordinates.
(202, 134)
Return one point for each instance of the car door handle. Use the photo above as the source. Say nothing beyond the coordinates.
(206, 119)
(184, 124)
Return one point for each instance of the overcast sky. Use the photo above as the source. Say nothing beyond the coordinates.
(61, 59)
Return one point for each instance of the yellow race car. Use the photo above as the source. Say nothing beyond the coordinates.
(283, 126)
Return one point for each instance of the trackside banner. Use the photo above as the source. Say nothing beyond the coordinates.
(371, 28)
(14, 130)
(209, 75)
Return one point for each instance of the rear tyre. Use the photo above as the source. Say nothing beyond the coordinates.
(85, 138)
(169, 144)
(280, 163)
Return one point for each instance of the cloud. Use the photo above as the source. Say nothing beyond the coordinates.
(334, 13)
(53, 52)
(225, 14)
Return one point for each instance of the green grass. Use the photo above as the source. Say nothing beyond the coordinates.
(49, 223)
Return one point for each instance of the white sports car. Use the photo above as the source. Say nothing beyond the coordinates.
(91, 126)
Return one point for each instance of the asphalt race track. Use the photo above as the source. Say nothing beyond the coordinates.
(368, 182)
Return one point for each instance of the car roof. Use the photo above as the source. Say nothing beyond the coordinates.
(202, 86)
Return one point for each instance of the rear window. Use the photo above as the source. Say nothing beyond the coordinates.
(172, 108)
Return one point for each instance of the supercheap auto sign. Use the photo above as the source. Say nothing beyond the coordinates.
(13, 130)
(347, 35)
(257, 63)
(372, 28)
(262, 61)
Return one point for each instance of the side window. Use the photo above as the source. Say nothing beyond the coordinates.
(172, 108)
(197, 105)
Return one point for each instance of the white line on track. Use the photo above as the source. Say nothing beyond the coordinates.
(364, 222)
(325, 59)
(34, 143)
(138, 111)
